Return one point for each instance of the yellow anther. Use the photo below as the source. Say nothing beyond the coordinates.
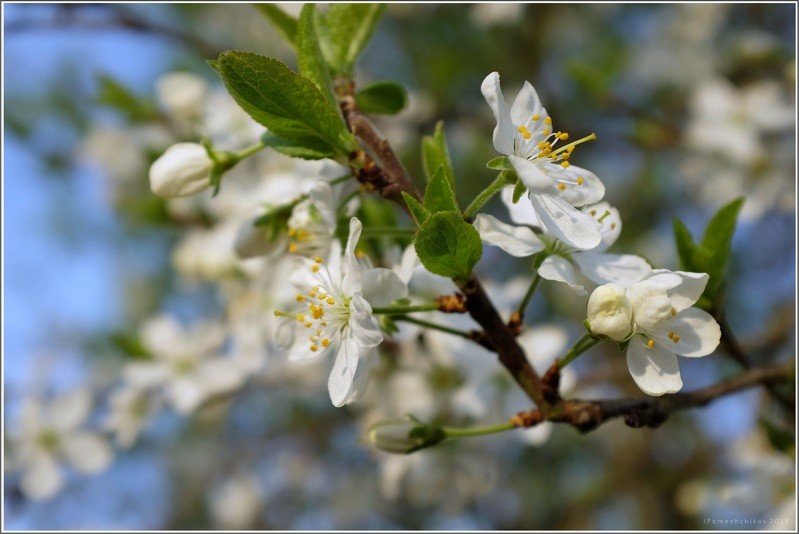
(543, 145)
(565, 155)
(292, 247)
(323, 323)
(301, 318)
(612, 226)
(277, 313)
(548, 120)
(563, 136)
(650, 343)
(579, 180)
(570, 149)
(315, 268)
(308, 324)
(302, 234)
(671, 334)
(330, 300)
(562, 187)
(314, 348)
(524, 131)
(322, 296)
(325, 343)
(593, 213)
(300, 298)
(318, 259)
(316, 311)
(292, 232)
(318, 333)
(564, 164)
(313, 339)
(545, 131)
(527, 135)
(536, 117)
(676, 338)
(360, 253)
(673, 311)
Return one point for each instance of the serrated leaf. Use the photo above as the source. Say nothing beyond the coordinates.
(386, 98)
(312, 64)
(518, 190)
(114, 94)
(500, 163)
(448, 246)
(439, 195)
(417, 210)
(717, 241)
(284, 146)
(290, 105)
(345, 31)
(435, 153)
(685, 246)
(285, 24)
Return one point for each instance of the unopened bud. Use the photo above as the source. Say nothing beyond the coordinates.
(183, 170)
(610, 313)
(403, 437)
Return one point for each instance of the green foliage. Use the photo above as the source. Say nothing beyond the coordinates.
(345, 30)
(518, 190)
(312, 63)
(284, 23)
(115, 95)
(435, 153)
(439, 195)
(289, 104)
(712, 255)
(385, 98)
(500, 163)
(418, 211)
(275, 220)
(284, 146)
(781, 438)
(448, 246)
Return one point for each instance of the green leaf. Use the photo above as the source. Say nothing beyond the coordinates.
(284, 146)
(439, 195)
(419, 212)
(717, 241)
(448, 246)
(346, 30)
(435, 153)
(285, 24)
(500, 163)
(518, 190)
(312, 64)
(386, 98)
(114, 94)
(290, 105)
(781, 438)
(685, 246)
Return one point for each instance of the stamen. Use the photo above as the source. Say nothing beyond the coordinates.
(548, 120)
(564, 164)
(314, 348)
(308, 324)
(318, 259)
(536, 117)
(671, 334)
(562, 187)
(563, 136)
(579, 180)
(612, 226)
(650, 343)
(315, 268)
(676, 338)
(330, 300)
(575, 143)
(673, 311)
(325, 342)
(300, 297)
(604, 215)
(301, 318)
(292, 232)
(292, 247)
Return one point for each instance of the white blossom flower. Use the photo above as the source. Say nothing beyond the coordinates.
(525, 134)
(666, 324)
(336, 314)
(183, 170)
(182, 95)
(610, 313)
(49, 433)
(131, 409)
(185, 363)
(236, 503)
(575, 267)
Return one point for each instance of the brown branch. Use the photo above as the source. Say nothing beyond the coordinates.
(653, 411)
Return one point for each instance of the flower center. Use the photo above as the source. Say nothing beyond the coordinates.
(325, 313)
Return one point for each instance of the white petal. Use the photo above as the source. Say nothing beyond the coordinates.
(582, 186)
(186, 394)
(69, 411)
(518, 241)
(321, 195)
(363, 327)
(538, 435)
(699, 334)
(558, 269)
(525, 106)
(219, 376)
(145, 375)
(533, 176)
(611, 223)
(688, 292)
(42, 479)
(381, 287)
(340, 382)
(565, 222)
(284, 332)
(664, 279)
(87, 452)
(522, 212)
(504, 132)
(624, 270)
(655, 370)
(351, 281)
(163, 336)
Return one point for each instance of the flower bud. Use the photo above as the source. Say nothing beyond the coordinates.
(183, 170)
(403, 437)
(610, 313)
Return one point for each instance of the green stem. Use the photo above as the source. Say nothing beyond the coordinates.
(249, 151)
(346, 200)
(400, 310)
(434, 326)
(372, 231)
(582, 345)
(480, 431)
(529, 295)
(495, 187)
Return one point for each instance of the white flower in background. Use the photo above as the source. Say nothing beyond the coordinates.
(610, 313)
(236, 503)
(183, 170)
(575, 267)
(496, 13)
(667, 325)
(312, 225)
(48, 434)
(525, 134)
(182, 95)
(185, 363)
(123, 152)
(335, 313)
(131, 409)
(207, 253)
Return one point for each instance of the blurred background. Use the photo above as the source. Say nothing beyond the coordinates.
(693, 106)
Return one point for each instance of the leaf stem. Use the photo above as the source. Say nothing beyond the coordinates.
(479, 431)
(400, 310)
(529, 295)
(481, 199)
(434, 326)
(582, 345)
